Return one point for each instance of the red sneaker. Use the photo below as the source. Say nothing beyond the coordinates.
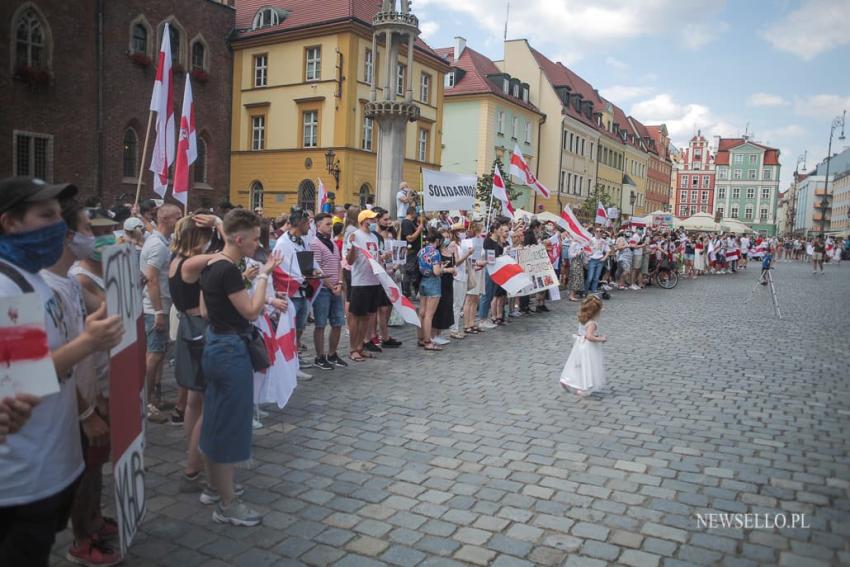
(92, 554)
(108, 529)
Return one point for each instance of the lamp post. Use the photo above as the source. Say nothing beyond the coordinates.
(332, 165)
(791, 212)
(822, 204)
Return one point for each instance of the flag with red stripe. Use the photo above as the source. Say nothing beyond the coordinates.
(401, 304)
(278, 381)
(321, 196)
(507, 273)
(569, 222)
(501, 193)
(162, 102)
(187, 147)
(601, 214)
(521, 170)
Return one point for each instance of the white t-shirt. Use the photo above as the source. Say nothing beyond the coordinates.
(289, 252)
(401, 208)
(155, 253)
(361, 271)
(598, 247)
(44, 457)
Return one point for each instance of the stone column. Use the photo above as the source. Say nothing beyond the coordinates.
(388, 53)
(390, 161)
(409, 90)
(373, 86)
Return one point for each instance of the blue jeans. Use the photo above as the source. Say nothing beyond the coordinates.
(594, 269)
(302, 309)
(487, 298)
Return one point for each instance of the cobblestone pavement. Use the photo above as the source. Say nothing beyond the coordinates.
(474, 456)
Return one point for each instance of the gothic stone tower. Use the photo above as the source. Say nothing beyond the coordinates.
(399, 29)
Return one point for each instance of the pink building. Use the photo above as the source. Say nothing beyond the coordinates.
(694, 187)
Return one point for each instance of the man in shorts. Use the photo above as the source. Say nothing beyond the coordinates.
(366, 290)
(328, 305)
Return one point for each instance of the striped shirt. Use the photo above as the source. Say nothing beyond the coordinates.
(328, 260)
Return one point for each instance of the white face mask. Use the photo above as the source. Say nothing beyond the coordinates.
(461, 235)
(82, 245)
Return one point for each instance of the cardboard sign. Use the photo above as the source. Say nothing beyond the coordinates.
(444, 191)
(121, 276)
(25, 362)
(535, 262)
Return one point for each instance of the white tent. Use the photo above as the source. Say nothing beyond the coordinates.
(734, 225)
(700, 222)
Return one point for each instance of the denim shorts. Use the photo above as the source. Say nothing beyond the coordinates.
(302, 309)
(157, 340)
(328, 307)
(430, 287)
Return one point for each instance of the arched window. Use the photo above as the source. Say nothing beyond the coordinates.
(199, 54)
(201, 162)
(31, 39)
(256, 195)
(307, 195)
(365, 191)
(266, 17)
(140, 38)
(179, 44)
(131, 152)
(174, 34)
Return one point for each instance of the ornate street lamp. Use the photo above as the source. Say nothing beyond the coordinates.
(824, 203)
(332, 165)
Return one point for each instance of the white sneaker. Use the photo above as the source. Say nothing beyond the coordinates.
(303, 375)
(440, 340)
(256, 424)
(634, 287)
(487, 325)
(516, 313)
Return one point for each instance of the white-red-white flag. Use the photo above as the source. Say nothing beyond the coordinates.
(162, 102)
(278, 381)
(287, 277)
(506, 272)
(520, 170)
(401, 304)
(569, 222)
(321, 196)
(601, 214)
(501, 193)
(187, 147)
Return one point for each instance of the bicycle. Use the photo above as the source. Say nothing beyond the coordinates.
(665, 275)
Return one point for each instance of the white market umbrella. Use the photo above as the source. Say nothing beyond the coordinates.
(700, 222)
(734, 225)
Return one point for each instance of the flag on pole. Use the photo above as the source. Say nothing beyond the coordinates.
(601, 214)
(401, 304)
(187, 147)
(570, 223)
(520, 170)
(501, 193)
(321, 196)
(162, 102)
(507, 273)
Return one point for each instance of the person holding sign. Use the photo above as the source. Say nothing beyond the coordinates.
(430, 289)
(41, 463)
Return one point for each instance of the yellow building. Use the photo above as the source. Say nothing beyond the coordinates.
(301, 79)
(611, 156)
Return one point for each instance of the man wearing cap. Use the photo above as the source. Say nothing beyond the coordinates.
(366, 290)
(41, 458)
(156, 302)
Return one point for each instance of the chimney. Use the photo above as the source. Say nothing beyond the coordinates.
(460, 45)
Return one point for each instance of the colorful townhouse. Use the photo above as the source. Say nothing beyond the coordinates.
(747, 184)
(695, 179)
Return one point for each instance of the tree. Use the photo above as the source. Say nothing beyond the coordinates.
(485, 190)
(588, 206)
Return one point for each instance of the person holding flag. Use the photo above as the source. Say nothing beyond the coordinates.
(187, 148)
(162, 103)
(601, 214)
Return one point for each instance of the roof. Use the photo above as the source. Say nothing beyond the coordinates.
(476, 67)
(771, 155)
(308, 13)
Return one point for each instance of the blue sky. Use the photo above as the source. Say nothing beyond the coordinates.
(778, 67)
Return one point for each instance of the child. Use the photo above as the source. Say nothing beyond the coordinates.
(584, 370)
(765, 266)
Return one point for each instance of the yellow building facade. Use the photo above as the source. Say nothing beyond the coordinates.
(301, 93)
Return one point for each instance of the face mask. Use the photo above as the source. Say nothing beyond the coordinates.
(35, 249)
(101, 242)
(461, 235)
(373, 228)
(82, 245)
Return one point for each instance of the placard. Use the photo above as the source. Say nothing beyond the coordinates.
(535, 262)
(445, 191)
(25, 362)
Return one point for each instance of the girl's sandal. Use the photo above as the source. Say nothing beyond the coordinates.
(431, 346)
(355, 356)
(366, 354)
(421, 343)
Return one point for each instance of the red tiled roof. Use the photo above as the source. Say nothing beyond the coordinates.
(771, 155)
(307, 13)
(476, 67)
(655, 134)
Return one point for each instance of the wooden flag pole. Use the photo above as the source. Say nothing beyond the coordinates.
(144, 157)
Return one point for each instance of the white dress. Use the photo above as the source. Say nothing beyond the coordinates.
(585, 367)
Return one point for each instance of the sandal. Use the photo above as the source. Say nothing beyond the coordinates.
(470, 331)
(364, 354)
(421, 343)
(355, 356)
(431, 346)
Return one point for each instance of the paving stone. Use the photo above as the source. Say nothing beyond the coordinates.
(472, 536)
(403, 556)
(509, 545)
(474, 555)
(524, 532)
(639, 558)
(592, 531)
(434, 545)
(365, 545)
(601, 550)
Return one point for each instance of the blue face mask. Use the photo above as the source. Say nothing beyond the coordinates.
(36, 249)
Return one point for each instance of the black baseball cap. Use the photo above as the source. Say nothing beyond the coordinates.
(17, 190)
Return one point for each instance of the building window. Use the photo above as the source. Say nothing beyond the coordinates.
(693, 209)
(307, 194)
(684, 181)
(739, 158)
(425, 88)
(763, 215)
(703, 208)
(575, 183)
(450, 80)
(694, 196)
(200, 165)
(368, 66)
(199, 54)
(367, 134)
(722, 173)
(313, 69)
(571, 142)
(695, 180)
(500, 122)
(258, 132)
(30, 40)
(736, 174)
(751, 193)
(515, 128)
(266, 17)
(683, 210)
(591, 150)
(736, 192)
(748, 213)
(752, 174)
(515, 90)
(561, 181)
(33, 155)
(720, 211)
(311, 129)
(766, 174)
(580, 184)
(753, 158)
(174, 39)
(582, 148)
(704, 197)
(401, 70)
(131, 153)
(422, 144)
(734, 213)
(765, 192)
(261, 70)
(721, 192)
(256, 195)
(705, 181)
(140, 38)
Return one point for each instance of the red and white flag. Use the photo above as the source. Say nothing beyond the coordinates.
(187, 147)
(278, 381)
(507, 272)
(401, 304)
(732, 254)
(162, 102)
(321, 196)
(287, 277)
(601, 214)
(570, 223)
(501, 193)
(520, 170)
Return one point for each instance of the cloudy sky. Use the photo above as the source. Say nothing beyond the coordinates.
(779, 68)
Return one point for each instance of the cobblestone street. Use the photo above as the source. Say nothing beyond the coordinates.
(475, 456)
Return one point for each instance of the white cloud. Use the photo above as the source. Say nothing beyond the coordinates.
(682, 120)
(783, 135)
(428, 29)
(620, 93)
(766, 99)
(815, 27)
(823, 106)
(615, 63)
(697, 35)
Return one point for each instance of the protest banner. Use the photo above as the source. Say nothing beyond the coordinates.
(126, 389)
(535, 262)
(399, 249)
(25, 362)
(444, 191)
(662, 222)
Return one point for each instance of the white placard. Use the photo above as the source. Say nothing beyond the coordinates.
(444, 191)
(123, 290)
(130, 501)
(25, 362)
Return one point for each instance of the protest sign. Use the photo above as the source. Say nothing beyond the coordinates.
(444, 191)
(535, 262)
(25, 362)
(399, 249)
(660, 222)
(122, 282)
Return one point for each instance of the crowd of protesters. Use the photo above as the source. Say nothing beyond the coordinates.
(209, 277)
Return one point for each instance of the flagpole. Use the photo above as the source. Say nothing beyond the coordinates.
(144, 157)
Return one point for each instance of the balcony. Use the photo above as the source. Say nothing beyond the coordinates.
(822, 192)
(821, 217)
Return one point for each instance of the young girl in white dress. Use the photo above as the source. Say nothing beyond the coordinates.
(584, 370)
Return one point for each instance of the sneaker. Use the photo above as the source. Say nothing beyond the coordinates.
(303, 375)
(634, 287)
(487, 325)
(391, 343)
(372, 347)
(156, 416)
(458, 335)
(304, 362)
(256, 423)
(322, 363)
(516, 313)
(209, 495)
(108, 529)
(238, 514)
(260, 413)
(189, 484)
(335, 359)
(440, 340)
(176, 417)
(91, 552)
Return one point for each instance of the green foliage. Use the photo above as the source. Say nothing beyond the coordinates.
(588, 206)
(485, 189)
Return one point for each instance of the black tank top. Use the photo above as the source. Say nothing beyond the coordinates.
(185, 296)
